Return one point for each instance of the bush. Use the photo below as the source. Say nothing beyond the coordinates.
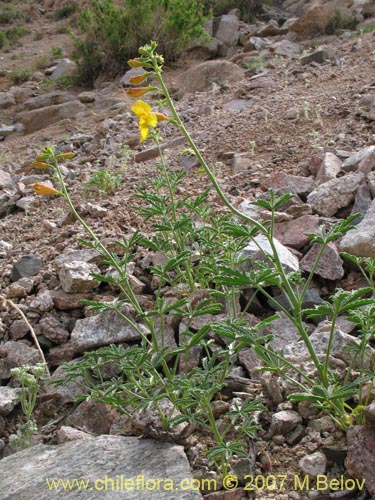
(340, 21)
(110, 32)
(249, 9)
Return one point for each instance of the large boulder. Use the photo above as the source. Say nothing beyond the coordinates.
(102, 468)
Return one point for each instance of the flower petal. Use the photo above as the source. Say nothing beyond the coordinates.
(135, 63)
(45, 189)
(139, 91)
(141, 108)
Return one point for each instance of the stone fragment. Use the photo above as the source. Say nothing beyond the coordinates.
(287, 48)
(330, 168)
(89, 255)
(284, 332)
(23, 474)
(360, 460)
(318, 56)
(237, 105)
(76, 277)
(225, 29)
(16, 354)
(7, 130)
(66, 301)
(21, 288)
(6, 100)
(105, 328)
(329, 197)
(361, 240)
(293, 233)
(6, 180)
(64, 67)
(51, 328)
(18, 329)
(28, 265)
(283, 422)
(201, 76)
(49, 99)
(272, 28)
(38, 119)
(92, 417)
(371, 183)
(150, 153)
(362, 202)
(8, 399)
(367, 107)
(87, 97)
(66, 434)
(260, 248)
(294, 183)
(43, 302)
(314, 464)
(330, 265)
(66, 392)
(363, 160)
(5, 248)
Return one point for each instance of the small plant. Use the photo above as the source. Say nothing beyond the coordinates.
(257, 62)
(56, 52)
(21, 76)
(66, 11)
(104, 181)
(318, 114)
(30, 379)
(340, 21)
(306, 110)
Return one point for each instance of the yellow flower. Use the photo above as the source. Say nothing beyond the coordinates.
(45, 189)
(147, 118)
(136, 80)
(139, 91)
(40, 164)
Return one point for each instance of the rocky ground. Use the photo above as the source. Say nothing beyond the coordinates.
(285, 108)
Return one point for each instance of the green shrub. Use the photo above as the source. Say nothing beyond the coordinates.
(21, 76)
(10, 14)
(3, 40)
(66, 11)
(340, 21)
(15, 33)
(110, 32)
(249, 9)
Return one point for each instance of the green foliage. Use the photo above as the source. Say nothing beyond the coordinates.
(340, 21)
(56, 52)
(104, 182)
(21, 76)
(66, 11)
(257, 62)
(10, 13)
(30, 379)
(249, 9)
(109, 33)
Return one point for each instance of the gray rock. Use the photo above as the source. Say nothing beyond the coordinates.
(367, 109)
(371, 183)
(284, 332)
(237, 105)
(6, 100)
(64, 67)
(49, 99)
(331, 166)
(103, 459)
(28, 265)
(6, 180)
(361, 240)
(283, 422)
(330, 265)
(21, 288)
(52, 329)
(6, 130)
(201, 76)
(260, 248)
(93, 417)
(314, 464)
(38, 119)
(329, 197)
(105, 328)
(292, 233)
(318, 56)
(294, 184)
(5, 248)
(360, 460)
(225, 29)
(43, 302)
(15, 354)
(8, 399)
(8, 201)
(89, 255)
(66, 392)
(272, 28)
(287, 48)
(360, 160)
(362, 202)
(18, 329)
(76, 277)
(66, 434)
